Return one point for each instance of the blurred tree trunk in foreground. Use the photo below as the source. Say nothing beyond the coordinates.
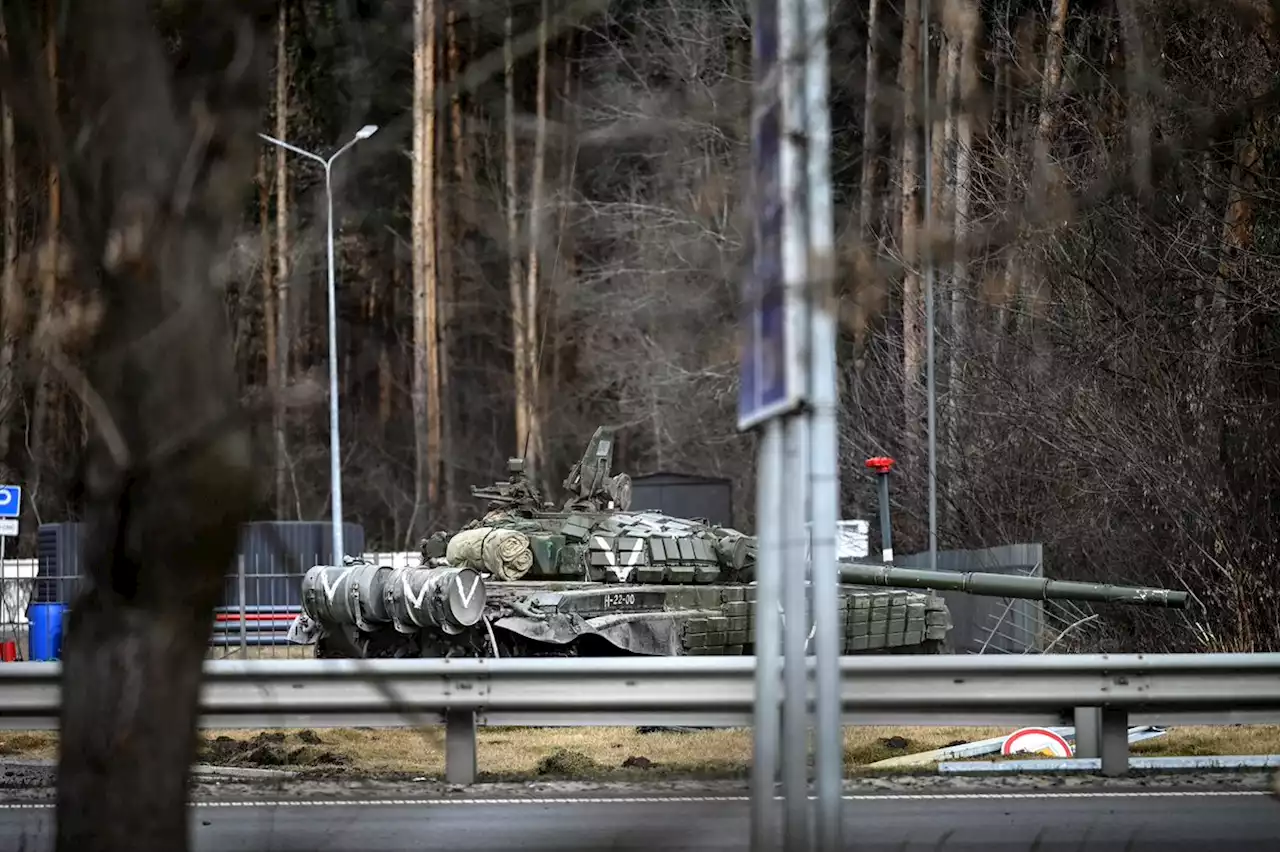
(156, 158)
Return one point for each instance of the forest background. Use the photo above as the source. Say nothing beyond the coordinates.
(550, 229)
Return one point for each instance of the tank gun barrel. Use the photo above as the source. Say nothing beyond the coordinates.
(1006, 586)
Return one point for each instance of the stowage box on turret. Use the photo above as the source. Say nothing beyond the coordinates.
(593, 578)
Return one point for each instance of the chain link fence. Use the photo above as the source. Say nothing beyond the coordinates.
(260, 599)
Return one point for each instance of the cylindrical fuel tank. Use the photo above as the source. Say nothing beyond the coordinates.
(451, 599)
(347, 594)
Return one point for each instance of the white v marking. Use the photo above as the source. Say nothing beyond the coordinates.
(408, 593)
(330, 591)
(466, 595)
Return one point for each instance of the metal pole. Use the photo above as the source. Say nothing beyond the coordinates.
(768, 640)
(796, 438)
(241, 585)
(795, 635)
(771, 475)
(882, 465)
(930, 391)
(824, 479)
(335, 458)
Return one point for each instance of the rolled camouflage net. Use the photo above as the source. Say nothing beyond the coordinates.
(503, 553)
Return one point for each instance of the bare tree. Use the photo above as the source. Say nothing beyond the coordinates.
(426, 277)
(163, 159)
(280, 358)
(10, 294)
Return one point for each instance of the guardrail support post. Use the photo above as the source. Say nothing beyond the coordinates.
(460, 747)
(1114, 741)
(1088, 721)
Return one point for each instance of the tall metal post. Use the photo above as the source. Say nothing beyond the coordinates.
(789, 388)
(796, 437)
(882, 465)
(335, 453)
(244, 610)
(795, 636)
(763, 395)
(768, 640)
(824, 478)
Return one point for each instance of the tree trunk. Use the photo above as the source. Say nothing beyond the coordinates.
(11, 321)
(453, 152)
(520, 368)
(426, 364)
(912, 298)
(866, 206)
(565, 257)
(386, 370)
(940, 135)
(170, 477)
(279, 417)
(453, 61)
(1030, 282)
(537, 217)
(867, 186)
(270, 348)
(966, 78)
(43, 421)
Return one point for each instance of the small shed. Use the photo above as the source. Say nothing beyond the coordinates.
(685, 495)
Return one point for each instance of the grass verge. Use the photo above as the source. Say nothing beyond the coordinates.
(599, 753)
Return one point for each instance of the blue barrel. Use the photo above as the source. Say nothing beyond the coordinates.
(45, 637)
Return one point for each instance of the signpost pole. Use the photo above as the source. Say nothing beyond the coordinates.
(789, 391)
(824, 474)
(763, 391)
(796, 492)
(10, 511)
(768, 640)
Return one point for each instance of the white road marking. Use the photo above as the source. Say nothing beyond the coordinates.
(629, 800)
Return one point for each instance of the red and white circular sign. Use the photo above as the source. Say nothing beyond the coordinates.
(1037, 741)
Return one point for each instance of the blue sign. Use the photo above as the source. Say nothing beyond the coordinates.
(10, 501)
(769, 376)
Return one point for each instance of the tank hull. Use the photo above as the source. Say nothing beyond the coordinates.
(541, 618)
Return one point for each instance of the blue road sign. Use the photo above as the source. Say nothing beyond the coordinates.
(769, 375)
(10, 501)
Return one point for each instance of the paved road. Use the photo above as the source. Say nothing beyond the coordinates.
(1000, 822)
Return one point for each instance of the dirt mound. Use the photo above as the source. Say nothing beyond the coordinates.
(566, 763)
(270, 748)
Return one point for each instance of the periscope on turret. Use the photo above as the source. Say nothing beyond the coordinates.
(594, 577)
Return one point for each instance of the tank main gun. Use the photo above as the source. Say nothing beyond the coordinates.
(1007, 586)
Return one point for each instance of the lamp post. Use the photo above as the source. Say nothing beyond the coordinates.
(335, 466)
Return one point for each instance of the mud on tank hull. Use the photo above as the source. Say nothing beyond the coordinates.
(567, 618)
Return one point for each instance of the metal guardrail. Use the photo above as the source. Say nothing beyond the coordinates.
(1100, 694)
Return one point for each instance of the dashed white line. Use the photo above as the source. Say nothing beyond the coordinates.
(628, 800)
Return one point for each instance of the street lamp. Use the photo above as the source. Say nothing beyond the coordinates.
(335, 467)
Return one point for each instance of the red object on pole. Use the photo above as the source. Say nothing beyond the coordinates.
(880, 464)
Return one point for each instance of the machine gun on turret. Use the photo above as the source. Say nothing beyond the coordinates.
(517, 493)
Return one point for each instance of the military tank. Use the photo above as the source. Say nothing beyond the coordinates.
(595, 578)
